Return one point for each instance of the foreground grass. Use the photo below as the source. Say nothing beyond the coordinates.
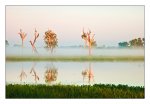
(72, 91)
(75, 58)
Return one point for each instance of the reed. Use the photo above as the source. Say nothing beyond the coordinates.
(74, 91)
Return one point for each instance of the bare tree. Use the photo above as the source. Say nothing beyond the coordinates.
(23, 36)
(36, 35)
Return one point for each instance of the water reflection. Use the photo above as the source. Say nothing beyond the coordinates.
(34, 50)
(22, 75)
(51, 74)
(75, 72)
(33, 72)
(88, 74)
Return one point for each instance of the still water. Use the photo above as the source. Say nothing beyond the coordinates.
(78, 73)
(76, 51)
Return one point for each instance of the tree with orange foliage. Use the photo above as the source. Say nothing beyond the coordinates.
(89, 39)
(51, 40)
(88, 73)
(50, 74)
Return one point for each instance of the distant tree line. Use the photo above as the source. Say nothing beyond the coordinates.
(137, 42)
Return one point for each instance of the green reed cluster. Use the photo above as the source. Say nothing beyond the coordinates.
(74, 91)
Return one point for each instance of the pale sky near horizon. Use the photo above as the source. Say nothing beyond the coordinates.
(110, 24)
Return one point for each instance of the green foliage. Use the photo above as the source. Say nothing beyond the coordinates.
(73, 91)
(139, 42)
(123, 44)
(136, 42)
(6, 42)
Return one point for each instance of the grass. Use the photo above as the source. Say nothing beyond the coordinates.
(73, 91)
(74, 58)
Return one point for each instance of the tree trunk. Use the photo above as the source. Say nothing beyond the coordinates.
(89, 49)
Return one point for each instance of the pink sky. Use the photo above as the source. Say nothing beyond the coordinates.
(110, 24)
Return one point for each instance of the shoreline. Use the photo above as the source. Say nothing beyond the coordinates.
(75, 58)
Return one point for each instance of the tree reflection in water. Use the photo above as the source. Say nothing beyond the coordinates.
(36, 77)
(88, 74)
(51, 74)
(22, 75)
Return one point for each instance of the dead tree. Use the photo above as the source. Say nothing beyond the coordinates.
(36, 35)
(23, 36)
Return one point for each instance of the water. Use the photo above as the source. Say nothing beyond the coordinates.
(130, 73)
(76, 51)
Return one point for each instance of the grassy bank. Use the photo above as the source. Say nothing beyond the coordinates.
(74, 58)
(72, 91)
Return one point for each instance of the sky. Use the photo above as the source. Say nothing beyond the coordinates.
(110, 24)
